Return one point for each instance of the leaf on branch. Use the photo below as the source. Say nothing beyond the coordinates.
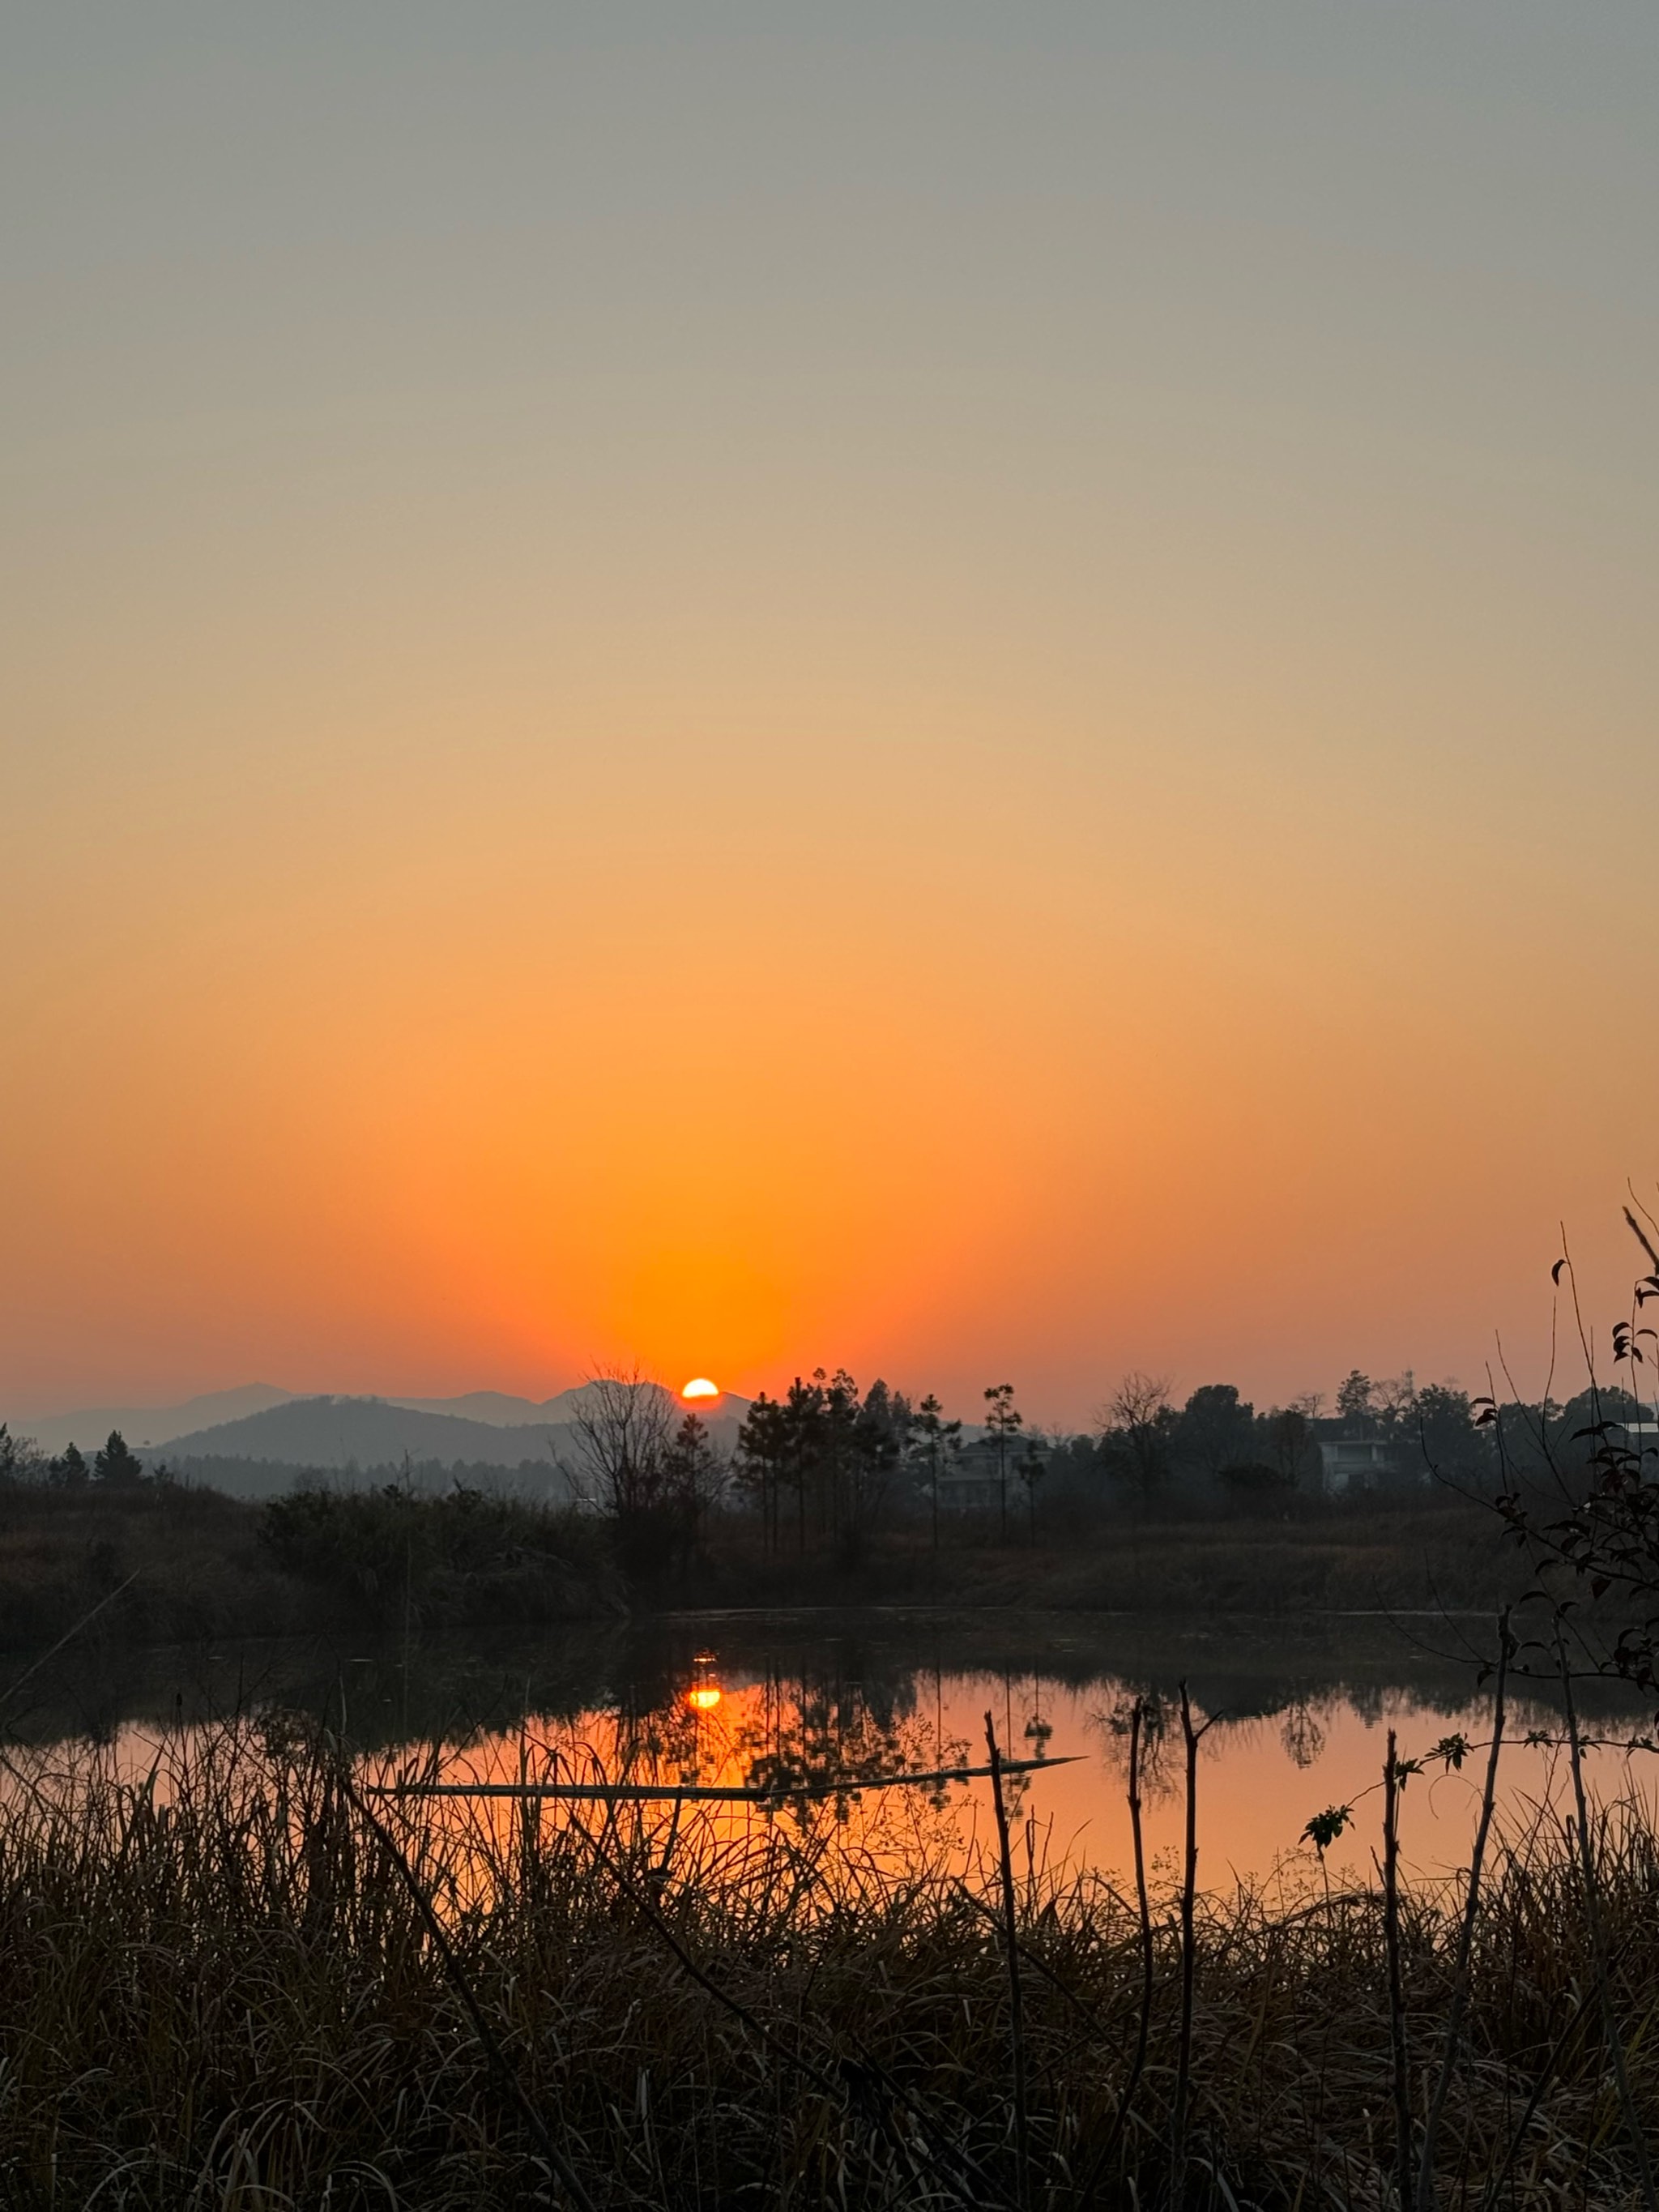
(1322, 1830)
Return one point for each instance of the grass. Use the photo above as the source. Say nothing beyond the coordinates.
(172, 1564)
(1354, 1555)
(190, 1561)
(219, 1988)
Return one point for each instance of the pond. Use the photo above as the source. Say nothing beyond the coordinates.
(821, 1710)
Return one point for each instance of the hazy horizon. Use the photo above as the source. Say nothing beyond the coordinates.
(961, 691)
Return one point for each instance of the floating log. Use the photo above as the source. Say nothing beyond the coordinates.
(637, 1793)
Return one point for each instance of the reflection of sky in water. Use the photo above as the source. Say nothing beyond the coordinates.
(1260, 1778)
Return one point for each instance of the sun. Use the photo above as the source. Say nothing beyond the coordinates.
(701, 1387)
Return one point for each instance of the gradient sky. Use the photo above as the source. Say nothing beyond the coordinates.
(962, 688)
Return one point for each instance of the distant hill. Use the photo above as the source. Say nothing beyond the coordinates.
(334, 1431)
(89, 1426)
(501, 1411)
(342, 1432)
(495, 1407)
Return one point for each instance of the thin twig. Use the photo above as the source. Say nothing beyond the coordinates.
(1016, 2015)
(1460, 1998)
(1190, 1736)
(1392, 1781)
(1144, 1912)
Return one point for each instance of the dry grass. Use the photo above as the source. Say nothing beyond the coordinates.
(218, 1990)
(1429, 1550)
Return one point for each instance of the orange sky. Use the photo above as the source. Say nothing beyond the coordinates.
(972, 699)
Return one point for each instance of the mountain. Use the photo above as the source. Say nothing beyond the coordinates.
(90, 1425)
(338, 1432)
(280, 1429)
(494, 1407)
(341, 1432)
(501, 1411)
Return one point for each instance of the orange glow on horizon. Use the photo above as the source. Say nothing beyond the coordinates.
(685, 807)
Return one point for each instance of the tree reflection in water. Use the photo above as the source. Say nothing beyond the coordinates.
(801, 1739)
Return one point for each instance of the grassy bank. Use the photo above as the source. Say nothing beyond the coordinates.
(165, 1563)
(224, 1990)
(1444, 1552)
(156, 1563)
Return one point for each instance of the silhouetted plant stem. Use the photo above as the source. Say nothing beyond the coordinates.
(1189, 1737)
(1392, 1781)
(1615, 2042)
(1144, 1914)
(1010, 1937)
(1460, 1997)
(1144, 1911)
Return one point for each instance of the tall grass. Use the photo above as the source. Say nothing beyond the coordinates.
(242, 1982)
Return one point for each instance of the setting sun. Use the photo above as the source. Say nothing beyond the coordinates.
(701, 1388)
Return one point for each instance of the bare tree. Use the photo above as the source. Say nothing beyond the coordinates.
(1136, 1421)
(624, 1423)
(1397, 1399)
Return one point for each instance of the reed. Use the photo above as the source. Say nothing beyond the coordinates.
(238, 1982)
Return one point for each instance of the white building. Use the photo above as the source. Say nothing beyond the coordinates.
(1354, 1463)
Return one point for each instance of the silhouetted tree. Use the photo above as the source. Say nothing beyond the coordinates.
(694, 1476)
(835, 1456)
(1137, 1427)
(21, 1459)
(1353, 1400)
(1440, 1436)
(1031, 1467)
(68, 1470)
(1287, 1432)
(624, 1425)
(764, 1444)
(118, 1465)
(1004, 1423)
(803, 1406)
(933, 1442)
(1215, 1430)
(1553, 1448)
(881, 1431)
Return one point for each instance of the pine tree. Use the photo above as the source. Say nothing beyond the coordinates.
(68, 1469)
(117, 1462)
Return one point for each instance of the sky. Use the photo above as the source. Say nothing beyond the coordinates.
(960, 690)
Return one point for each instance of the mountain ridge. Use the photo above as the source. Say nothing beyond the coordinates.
(340, 1432)
(149, 1428)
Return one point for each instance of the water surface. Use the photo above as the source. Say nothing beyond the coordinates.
(818, 1707)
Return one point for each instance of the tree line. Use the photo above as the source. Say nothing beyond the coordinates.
(827, 1461)
(823, 1461)
(116, 1465)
